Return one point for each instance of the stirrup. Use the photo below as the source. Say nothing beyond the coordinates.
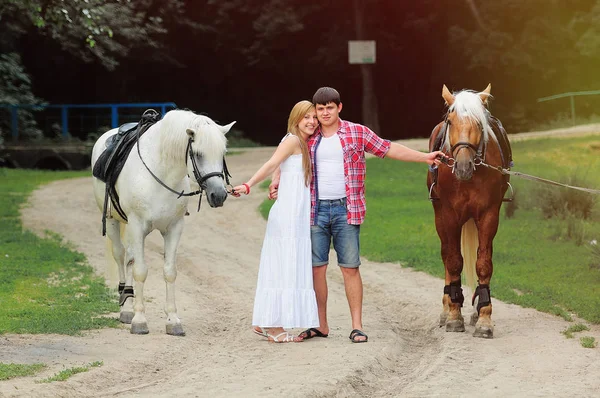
(431, 198)
(512, 194)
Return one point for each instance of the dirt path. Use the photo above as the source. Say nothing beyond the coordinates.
(408, 354)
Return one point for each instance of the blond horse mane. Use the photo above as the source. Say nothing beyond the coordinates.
(468, 105)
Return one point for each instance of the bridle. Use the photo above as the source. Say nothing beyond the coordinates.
(200, 178)
(478, 150)
(450, 161)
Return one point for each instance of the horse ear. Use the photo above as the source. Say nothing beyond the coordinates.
(447, 96)
(225, 129)
(191, 133)
(485, 94)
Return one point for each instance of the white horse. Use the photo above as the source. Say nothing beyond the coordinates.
(167, 151)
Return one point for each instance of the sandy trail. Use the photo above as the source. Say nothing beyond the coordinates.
(408, 354)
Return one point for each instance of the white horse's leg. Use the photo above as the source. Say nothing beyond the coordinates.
(171, 238)
(136, 235)
(125, 284)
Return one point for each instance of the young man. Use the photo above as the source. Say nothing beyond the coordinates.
(337, 150)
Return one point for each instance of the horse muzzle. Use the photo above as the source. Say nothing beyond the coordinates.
(464, 164)
(464, 170)
(216, 198)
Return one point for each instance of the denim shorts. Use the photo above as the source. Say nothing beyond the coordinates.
(332, 223)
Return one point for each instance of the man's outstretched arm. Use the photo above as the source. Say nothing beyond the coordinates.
(404, 153)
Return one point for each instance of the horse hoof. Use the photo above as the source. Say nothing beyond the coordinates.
(455, 326)
(139, 328)
(443, 318)
(474, 319)
(126, 317)
(483, 332)
(175, 330)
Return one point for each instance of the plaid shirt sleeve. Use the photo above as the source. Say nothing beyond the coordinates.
(374, 144)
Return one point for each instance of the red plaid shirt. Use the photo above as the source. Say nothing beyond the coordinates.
(356, 140)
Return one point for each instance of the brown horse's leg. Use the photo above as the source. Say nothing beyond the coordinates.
(449, 233)
(488, 226)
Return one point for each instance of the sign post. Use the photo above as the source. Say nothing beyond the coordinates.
(362, 53)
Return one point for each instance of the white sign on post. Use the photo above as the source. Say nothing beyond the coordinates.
(361, 51)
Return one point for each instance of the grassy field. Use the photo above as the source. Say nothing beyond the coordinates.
(45, 286)
(539, 262)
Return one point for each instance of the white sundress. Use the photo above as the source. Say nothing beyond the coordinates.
(284, 292)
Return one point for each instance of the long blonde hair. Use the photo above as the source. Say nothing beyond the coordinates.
(296, 115)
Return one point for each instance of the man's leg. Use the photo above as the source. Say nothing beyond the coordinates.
(354, 294)
(346, 242)
(321, 291)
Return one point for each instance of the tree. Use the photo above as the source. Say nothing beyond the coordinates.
(15, 88)
(91, 30)
(527, 50)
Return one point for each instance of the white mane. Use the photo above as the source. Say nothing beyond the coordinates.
(468, 104)
(209, 140)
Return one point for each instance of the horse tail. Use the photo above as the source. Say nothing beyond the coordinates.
(112, 268)
(469, 242)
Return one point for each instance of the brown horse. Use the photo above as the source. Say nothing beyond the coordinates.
(467, 193)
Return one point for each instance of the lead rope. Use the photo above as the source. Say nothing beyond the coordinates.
(539, 179)
(450, 163)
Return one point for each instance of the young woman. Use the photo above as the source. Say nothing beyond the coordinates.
(284, 292)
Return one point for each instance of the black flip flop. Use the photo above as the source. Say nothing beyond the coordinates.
(357, 332)
(312, 332)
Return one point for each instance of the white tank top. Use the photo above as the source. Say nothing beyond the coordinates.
(330, 169)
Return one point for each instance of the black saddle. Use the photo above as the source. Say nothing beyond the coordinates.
(111, 161)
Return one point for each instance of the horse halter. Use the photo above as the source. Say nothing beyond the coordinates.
(201, 179)
(479, 150)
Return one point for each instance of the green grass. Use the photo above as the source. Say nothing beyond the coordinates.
(12, 370)
(538, 263)
(587, 342)
(578, 327)
(45, 286)
(67, 373)
(265, 206)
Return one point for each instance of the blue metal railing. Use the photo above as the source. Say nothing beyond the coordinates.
(64, 109)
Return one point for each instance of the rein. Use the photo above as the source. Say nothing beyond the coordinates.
(539, 179)
(479, 160)
(200, 179)
(450, 163)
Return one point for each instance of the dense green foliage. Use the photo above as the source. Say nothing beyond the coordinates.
(15, 88)
(90, 29)
(45, 286)
(265, 49)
